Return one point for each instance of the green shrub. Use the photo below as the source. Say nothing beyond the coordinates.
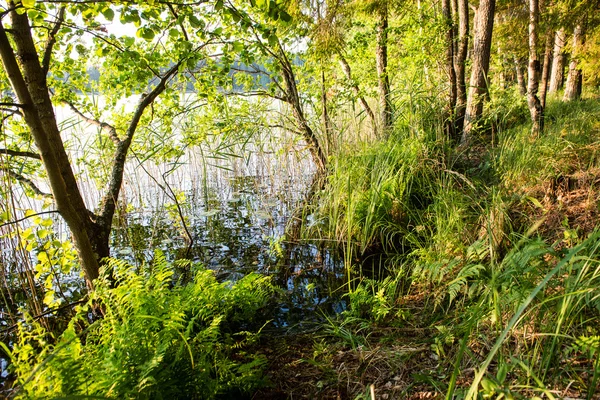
(156, 339)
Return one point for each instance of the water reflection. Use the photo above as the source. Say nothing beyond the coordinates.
(237, 227)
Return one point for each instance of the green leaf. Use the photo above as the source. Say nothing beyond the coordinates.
(109, 14)
(145, 33)
(195, 22)
(237, 46)
(28, 3)
(284, 16)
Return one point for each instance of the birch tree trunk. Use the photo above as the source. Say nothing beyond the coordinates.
(450, 71)
(381, 54)
(558, 62)
(546, 70)
(533, 71)
(459, 63)
(482, 41)
(520, 76)
(574, 78)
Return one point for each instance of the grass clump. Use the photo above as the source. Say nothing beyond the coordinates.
(157, 338)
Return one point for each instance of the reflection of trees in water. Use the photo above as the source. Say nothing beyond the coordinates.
(232, 225)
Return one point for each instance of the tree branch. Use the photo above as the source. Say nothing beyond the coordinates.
(111, 130)
(25, 181)
(19, 153)
(110, 198)
(52, 40)
(172, 9)
(27, 217)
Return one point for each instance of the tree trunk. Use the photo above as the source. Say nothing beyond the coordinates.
(293, 99)
(450, 71)
(574, 78)
(546, 70)
(365, 106)
(327, 129)
(520, 76)
(459, 63)
(90, 232)
(558, 62)
(29, 84)
(385, 105)
(533, 71)
(482, 41)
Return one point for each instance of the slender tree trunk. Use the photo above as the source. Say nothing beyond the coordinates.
(558, 62)
(459, 63)
(363, 102)
(450, 71)
(546, 70)
(327, 129)
(482, 41)
(385, 105)
(293, 99)
(534, 70)
(520, 76)
(574, 78)
(29, 84)
(28, 78)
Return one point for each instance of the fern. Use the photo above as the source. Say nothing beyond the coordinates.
(157, 339)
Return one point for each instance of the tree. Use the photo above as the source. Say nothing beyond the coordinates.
(29, 70)
(558, 62)
(381, 56)
(574, 77)
(450, 68)
(534, 69)
(459, 62)
(482, 41)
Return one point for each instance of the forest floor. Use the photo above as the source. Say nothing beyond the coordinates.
(415, 358)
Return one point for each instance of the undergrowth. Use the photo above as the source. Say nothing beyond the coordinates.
(156, 338)
(468, 239)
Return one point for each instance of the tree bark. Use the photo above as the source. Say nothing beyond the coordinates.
(520, 76)
(385, 105)
(459, 63)
(482, 41)
(558, 62)
(533, 71)
(574, 78)
(29, 84)
(327, 128)
(450, 71)
(293, 99)
(27, 76)
(363, 102)
(546, 70)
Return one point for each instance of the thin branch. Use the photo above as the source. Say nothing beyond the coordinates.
(25, 181)
(116, 179)
(12, 327)
(185, 35)
(29, 216)
(111, 130)
(9, 104)
(52, 40)
(19, 153)
(10, 113)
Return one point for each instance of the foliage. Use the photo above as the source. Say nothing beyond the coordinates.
(157, 338)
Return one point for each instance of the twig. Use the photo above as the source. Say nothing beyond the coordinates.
(10, 328)
(27, 217)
